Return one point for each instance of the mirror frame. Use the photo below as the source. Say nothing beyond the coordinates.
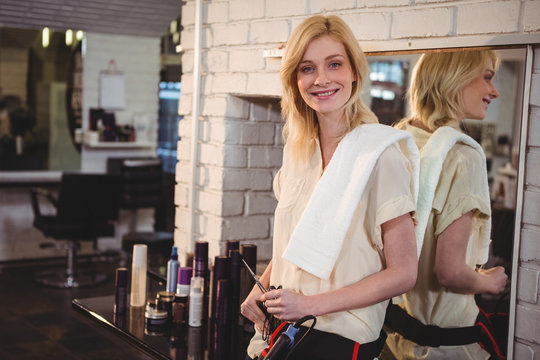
(523, 137)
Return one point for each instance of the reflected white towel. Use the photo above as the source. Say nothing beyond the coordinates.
(318, 236)
(432, 157)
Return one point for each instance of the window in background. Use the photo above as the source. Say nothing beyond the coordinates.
(388, 88)
(169, 96)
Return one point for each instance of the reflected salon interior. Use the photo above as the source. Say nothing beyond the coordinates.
(136, 247)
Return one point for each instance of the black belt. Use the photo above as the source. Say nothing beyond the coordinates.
(412, 329)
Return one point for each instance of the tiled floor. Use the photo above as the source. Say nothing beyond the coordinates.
(38, 322)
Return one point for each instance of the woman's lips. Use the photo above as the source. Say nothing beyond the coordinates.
(325, 93)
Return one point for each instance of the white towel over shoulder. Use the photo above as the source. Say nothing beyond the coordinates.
(432, 157)
(318, 236)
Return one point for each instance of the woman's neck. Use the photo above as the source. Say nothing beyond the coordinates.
(420, 125)
(330, 132)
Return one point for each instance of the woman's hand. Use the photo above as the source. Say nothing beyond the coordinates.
(251, 310)
(495, 279)
(287, 305)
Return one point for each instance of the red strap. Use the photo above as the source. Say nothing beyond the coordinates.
(273, 338)
(355, 351)
(493, 342)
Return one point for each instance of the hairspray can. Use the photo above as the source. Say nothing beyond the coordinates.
(196, 301)
(138, 276)
(184, 279)
(172, 270)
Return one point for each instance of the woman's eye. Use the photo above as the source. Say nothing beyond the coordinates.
(334, 65)
(306, 69)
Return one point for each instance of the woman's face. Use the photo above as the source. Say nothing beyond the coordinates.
(477, 95)
(325, 76)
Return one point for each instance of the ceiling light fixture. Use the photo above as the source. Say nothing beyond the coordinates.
(69, 37)
(45, 37)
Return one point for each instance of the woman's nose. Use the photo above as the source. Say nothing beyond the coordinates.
(494, 93)
(321, 79)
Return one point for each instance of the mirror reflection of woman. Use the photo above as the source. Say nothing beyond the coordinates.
(322, 73)
(447, 88)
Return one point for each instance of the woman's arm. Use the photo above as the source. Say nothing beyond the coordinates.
(451, 269)
(398, 277)
(249, 307)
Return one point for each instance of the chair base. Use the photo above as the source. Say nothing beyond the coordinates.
(61, 279)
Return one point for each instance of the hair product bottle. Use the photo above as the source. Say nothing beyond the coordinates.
(120, 287)
(138, 276)
(196, 300)
(184, 279)
(172, 270)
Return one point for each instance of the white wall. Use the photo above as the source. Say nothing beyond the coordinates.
(235, 34)
(138, 58)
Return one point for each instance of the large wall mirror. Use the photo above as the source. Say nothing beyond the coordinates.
(36, 124)
(498, 133)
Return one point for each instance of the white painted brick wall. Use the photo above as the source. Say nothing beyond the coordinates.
(247, 179)
(531, 207)
(260, 133)
(534, 126)
(219, 204)
(247, 60)
(285, 8)
(229, 83)
(528, 319)
(263, 32)
(215, 61)
(241, 228)
(531, 12)
(231, 106)
(533, 162)
(380, 3)
(320, 6)
(246, 9)
(535, 90)
(524, 352)
(264, 157)
(529, 249)
(435, 22)
(528, 284)
(265, 112)
(374, 25)
(497, 17)
(217, 12)
(260, 203)
(264, 83)
(221, 156)
(233, 34)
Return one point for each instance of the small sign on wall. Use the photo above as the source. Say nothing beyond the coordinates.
(112, 88)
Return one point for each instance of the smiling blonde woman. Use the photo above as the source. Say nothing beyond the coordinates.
(344, 224)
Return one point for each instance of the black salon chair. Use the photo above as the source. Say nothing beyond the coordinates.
(142, 181)
(86, 207)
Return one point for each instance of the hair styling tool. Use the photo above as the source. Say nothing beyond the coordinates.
(285, 344)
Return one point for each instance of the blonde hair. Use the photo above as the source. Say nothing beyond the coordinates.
(437, 82)
(301, 126)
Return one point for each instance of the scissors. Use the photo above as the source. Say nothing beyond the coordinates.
(254, 277)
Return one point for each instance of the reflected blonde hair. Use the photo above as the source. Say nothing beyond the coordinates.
(301, 126)
(437, 82)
